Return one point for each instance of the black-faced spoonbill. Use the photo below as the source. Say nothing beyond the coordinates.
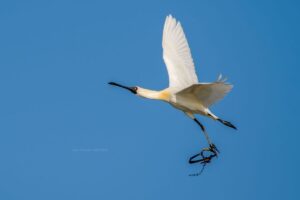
(185, 92)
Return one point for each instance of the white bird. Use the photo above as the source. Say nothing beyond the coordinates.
(185, 92)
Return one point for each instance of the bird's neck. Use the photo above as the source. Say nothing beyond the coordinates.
(152, 94)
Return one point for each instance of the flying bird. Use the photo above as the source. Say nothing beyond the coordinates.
(185, 92)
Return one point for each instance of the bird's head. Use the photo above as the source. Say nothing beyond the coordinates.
(134, 89)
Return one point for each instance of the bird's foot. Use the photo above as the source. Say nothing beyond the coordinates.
(205, 159)
(213, 149)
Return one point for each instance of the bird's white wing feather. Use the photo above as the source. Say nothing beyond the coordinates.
(177, 56)
(207, 93)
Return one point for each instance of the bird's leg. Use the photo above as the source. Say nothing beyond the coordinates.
(204, 131)
(212, 148)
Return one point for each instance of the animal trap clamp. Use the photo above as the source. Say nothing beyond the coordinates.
(204, 159)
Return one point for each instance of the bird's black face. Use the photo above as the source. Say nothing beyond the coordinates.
(131, 89)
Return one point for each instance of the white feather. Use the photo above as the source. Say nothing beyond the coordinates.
(207, 93)
(177, 56)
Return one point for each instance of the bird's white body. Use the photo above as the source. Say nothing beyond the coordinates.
(184, 91)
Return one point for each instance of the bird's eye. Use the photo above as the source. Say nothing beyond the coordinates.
(135, 88)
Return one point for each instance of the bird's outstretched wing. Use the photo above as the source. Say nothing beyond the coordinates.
(177, 56)
(207, 93)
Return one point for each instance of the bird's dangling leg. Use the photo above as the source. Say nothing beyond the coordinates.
(212, 148)
(205, 159)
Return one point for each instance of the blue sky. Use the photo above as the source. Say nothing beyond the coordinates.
(66, 134)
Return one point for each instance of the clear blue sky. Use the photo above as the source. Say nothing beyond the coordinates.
(66, 134)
